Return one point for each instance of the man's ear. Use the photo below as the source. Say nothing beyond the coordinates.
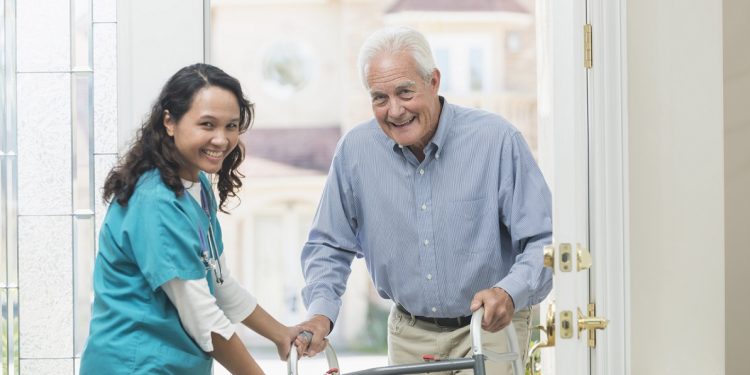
(168, 123)
(435, 80)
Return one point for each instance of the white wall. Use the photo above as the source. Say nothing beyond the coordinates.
(676, 192)
(737, 181)
(154, 40)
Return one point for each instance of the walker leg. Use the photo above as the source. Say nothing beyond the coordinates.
(479, 364)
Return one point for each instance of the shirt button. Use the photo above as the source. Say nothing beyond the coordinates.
(424, 206)
(429, 276)
(434, 309)
(426, 242)
(421, 171)
(437, 155)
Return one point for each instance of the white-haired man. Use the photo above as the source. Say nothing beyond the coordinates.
(445, 203)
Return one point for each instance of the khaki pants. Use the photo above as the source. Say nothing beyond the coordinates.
(409, 339)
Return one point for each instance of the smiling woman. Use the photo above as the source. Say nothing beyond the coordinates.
(165, 300)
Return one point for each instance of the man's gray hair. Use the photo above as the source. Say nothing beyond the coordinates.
(393, 40)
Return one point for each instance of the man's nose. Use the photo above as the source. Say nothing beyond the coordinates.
(395, 109)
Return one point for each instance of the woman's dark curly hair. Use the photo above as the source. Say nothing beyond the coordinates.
(153, 148)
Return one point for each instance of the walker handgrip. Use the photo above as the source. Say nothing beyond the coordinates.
(333, 363)
(307, 335)
(511, 339)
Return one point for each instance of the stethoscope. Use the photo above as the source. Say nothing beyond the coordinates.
(210, 251)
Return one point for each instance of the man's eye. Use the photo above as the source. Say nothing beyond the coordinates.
(378, 100)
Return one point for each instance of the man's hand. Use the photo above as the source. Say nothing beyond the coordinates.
(498, 308)
(320, 327)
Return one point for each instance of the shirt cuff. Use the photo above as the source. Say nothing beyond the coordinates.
(326, 308)
(517, 289)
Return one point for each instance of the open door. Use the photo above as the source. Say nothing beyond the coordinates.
(583, 321)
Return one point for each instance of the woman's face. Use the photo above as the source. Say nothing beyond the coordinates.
(207, 132)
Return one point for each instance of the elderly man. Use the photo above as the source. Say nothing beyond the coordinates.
(446, 205)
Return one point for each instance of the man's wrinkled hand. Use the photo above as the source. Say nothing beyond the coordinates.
(319, 326)
(498, 308)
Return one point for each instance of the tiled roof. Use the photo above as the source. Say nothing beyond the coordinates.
(457, 6)
(303, 148)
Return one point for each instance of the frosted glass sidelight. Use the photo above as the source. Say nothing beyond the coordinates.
(83, 173)
(47, 366)
(44, 144)
(43, 37)
(81, 35)
(83, 259)
(105, 88)
(105, 10)
(46, 287)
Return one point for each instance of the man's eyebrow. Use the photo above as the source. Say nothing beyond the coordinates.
(405, 85)
(400, 86)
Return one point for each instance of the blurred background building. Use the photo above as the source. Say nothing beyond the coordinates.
(297, 61)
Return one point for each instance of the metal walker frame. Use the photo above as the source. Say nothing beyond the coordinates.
(476, 362)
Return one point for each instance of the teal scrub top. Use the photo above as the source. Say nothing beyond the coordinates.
(155, 238)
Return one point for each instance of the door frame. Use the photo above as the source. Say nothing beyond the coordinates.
(608, 184)
(597, 96)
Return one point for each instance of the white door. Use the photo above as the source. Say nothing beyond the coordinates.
(581, 152)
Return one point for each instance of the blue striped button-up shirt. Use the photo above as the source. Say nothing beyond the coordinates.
(474, 214)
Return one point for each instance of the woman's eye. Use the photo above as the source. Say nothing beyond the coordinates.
(233, 126)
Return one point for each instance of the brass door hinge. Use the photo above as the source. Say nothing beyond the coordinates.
(587, 54)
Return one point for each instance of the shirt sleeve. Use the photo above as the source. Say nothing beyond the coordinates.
(165, 239)
(526, 210)
(199, 313)
(331, 246)
(234, 300)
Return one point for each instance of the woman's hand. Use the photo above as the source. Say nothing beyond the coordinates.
(285, 340)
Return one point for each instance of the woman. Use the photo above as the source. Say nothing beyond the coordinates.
(164, 298)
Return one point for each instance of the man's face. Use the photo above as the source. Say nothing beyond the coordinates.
(406, 107)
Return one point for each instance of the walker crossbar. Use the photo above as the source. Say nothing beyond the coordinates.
(476, 362)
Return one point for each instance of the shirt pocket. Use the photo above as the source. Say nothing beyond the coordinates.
(462, 226)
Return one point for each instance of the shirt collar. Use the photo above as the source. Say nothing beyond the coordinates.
(443, 128)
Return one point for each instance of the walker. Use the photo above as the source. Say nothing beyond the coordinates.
(476, 362)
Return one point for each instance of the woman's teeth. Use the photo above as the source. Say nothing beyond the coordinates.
(213, 154)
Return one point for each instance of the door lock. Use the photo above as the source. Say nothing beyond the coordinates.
(549, 257)
(565, 263)
(591, 323)
(583, 258)
(549, 331)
